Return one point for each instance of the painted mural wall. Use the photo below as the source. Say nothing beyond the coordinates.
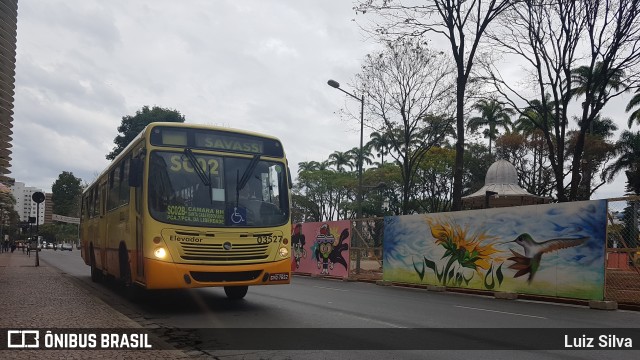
(321, 248)
(553, 249)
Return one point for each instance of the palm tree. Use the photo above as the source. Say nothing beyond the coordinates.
(492, 114)
(307, 166)
(596, 82)
(597, 151)
(340, 159)
(634, 102)
(580, 78)
(366, 155)
(532, 124)
(628, 147)
(601, 127)
(312, 166)
(381, 143)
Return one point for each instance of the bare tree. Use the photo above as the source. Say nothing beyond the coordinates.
(613, 31)
(463, 24)
(550, 37)
(409, 90)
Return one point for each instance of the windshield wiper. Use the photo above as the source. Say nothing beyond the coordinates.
(196, 166)
(206, 180)
(242, 181)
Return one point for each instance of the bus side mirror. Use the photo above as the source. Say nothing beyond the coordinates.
(135, 172)
(289, 178)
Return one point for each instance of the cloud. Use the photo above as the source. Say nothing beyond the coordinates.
(82, 65)
(260, 65)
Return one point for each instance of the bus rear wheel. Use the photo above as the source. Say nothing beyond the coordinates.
(236, 292)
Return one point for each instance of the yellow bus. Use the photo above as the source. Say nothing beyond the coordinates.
(186, 206)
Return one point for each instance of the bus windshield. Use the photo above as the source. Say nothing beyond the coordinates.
(195, 189)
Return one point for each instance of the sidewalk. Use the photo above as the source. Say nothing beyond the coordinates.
(42, 297)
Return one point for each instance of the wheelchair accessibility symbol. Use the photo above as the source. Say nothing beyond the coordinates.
(238, 216)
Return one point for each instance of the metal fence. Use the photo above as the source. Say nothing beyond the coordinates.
(622, 274)
(366, 249)
(622, 262)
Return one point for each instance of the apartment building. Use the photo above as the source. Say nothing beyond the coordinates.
(25, 206)
(8, 33)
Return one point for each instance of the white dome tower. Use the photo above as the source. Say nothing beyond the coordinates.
(501, 189)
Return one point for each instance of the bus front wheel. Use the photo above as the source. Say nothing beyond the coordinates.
(236, 292)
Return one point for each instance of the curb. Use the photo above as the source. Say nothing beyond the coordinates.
(601, 305)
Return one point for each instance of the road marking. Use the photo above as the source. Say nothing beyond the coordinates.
(501, 312)
(380, 322)
(329, 288)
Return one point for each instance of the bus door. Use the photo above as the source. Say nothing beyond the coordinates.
(101, 238)
(138, 235)
(136, 183)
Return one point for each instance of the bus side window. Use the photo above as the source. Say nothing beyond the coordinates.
(83, 207)
(96, 202)
(124, 182)
(135, 172)
(113, 194)
(103, 199)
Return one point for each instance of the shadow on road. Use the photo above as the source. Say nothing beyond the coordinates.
(174, 302)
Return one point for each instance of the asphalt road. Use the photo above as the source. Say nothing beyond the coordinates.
(356, 310)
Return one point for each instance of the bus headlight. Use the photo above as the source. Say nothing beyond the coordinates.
(160, 253)
(284, 252)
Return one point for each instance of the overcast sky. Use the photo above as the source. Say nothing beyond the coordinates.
(261, 65)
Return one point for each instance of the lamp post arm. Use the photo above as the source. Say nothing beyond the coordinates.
(353, 96)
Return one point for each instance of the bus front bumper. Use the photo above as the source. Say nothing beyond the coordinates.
(166, 275)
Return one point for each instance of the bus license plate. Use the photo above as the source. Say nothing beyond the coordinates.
(279, 277)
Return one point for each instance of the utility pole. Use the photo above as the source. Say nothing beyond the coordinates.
(37, 197)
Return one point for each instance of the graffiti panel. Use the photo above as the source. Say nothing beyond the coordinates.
(321, 248)
(553, 249)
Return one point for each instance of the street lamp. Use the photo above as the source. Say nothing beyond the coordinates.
(335, 84)
(37, 197)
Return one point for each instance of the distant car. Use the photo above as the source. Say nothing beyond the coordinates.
(49, 246)
(68, 247)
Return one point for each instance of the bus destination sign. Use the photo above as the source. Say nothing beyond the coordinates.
(228, 143)
(209, 139)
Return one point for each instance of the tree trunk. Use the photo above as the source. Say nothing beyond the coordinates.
(459, 165)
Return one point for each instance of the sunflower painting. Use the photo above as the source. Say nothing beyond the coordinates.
(552, 249)
(466, 254)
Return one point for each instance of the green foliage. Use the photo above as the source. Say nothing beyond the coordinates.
(66, 191)
(633, 181)
(59, 233)
(434, 181)
(477, 161)
(9, 217)
(633, 103)
(327, 193)
(628, 148)
(131, 126)
(493, 115)
(630, 220)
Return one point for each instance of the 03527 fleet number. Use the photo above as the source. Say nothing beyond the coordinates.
(268, 239)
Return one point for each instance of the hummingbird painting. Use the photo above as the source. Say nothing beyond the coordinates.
(529, 263)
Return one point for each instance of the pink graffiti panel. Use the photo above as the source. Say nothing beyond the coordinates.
(321, 248)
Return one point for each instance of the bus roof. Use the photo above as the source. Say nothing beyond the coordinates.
(147, 130)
